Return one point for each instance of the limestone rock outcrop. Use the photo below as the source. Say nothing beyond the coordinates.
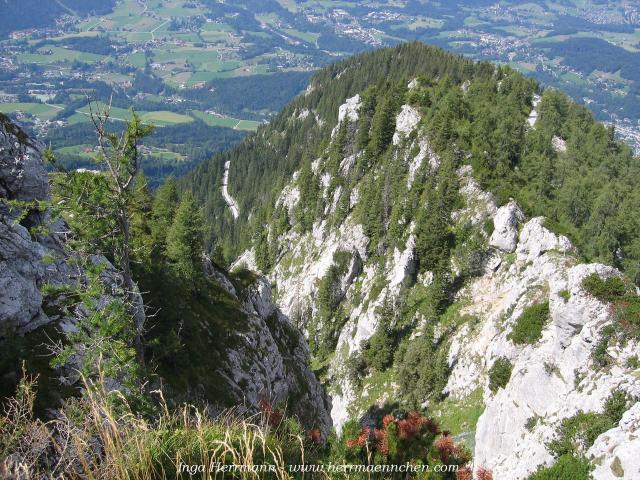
(505, 232)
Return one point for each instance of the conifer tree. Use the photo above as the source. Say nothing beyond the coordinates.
(184, 241)
(165, 203)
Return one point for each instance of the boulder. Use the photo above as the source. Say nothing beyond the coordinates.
(505, 231)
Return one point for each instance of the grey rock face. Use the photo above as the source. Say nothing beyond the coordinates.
(22, 172)
(505, 233)
(21, 271)
(28, 262)
(270, 362)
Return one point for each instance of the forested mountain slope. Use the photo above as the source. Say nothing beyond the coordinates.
(18, 15)
(208, 338)
(426, 221)
(588, 193)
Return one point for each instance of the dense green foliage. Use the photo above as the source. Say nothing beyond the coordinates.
(528, 327)
(184, 241)
(191, 320)
(606, 290)
(500, 374)
(325, 326)
(577, 433)
(265, 161)
(567, 467)
(626, 304)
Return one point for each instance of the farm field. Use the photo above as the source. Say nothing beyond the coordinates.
(174, 60)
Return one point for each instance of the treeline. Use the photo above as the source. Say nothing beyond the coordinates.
(245, 96)
(589, 54)
(100, 45)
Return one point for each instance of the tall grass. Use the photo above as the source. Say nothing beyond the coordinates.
(99, 437)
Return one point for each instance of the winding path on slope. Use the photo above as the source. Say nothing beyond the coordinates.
(233, 205)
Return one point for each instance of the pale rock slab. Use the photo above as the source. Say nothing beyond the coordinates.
(505, 232)
(406, 122)
(535, 239)
(615, 452)
(559, 145)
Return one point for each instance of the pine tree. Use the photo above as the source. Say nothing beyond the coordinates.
(184, 241)
(164, 207)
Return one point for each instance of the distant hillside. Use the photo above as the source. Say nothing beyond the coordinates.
(485, 130)
(20, 15)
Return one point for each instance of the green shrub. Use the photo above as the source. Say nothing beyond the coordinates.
(500, 374)
(528, 327)
(607, 290)
(599, 354)
(565, 295)
(633, 362)
(626, 304)
(567, 467)
(617, 404)
(577, 433)
(422, 368)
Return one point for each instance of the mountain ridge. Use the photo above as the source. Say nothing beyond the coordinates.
(409, 246)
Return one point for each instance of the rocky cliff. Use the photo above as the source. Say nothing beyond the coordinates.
(266, 359)
(508, 264)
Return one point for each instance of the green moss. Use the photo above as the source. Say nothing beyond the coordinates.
(565, 295)
(528, 327)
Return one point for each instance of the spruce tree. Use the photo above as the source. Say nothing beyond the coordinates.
(184, 241)
(165, 203)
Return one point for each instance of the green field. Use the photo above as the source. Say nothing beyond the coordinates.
(159, 118)
(215, 121)
(41, 110)
(163, 118)
(59, 55)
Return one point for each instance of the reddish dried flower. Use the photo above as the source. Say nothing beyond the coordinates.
(432, 426)
(315, 435)
(409, 428)
(484, 473)
(360, 440)
(382, 441)
(272, 416)
(464, 473)
(388, 419)
(445, 447)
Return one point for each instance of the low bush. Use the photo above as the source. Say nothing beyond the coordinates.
(607, 290)
(500, 374)
(528, 327)
(403, 438)
(578, 433)
(567, 467)
(626, 304)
